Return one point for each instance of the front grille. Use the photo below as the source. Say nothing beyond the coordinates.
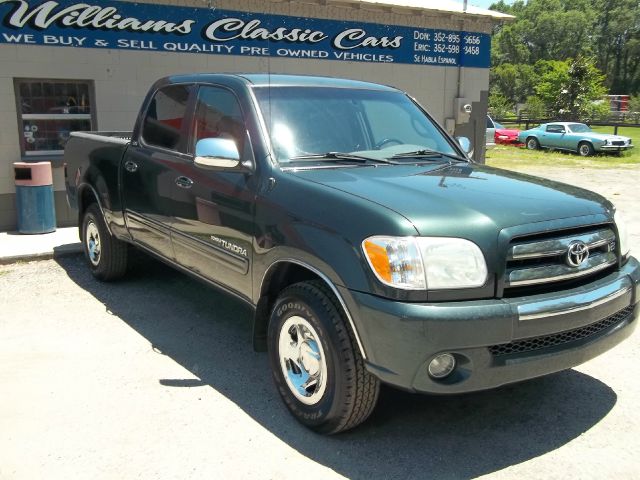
(538, 343)
(618, 143)
(539, 260)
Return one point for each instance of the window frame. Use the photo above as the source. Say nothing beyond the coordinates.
(556, 125)
(186, 125)
(191, 141)
(21, 117)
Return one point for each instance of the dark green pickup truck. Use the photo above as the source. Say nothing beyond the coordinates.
(368, 244)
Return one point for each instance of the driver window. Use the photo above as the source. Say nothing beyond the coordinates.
(218, 115)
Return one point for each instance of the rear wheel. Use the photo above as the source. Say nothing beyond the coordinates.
(315, 362)
(105, 254)
(585, 149)
(532, 143)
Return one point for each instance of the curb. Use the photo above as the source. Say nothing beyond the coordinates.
(61, 251)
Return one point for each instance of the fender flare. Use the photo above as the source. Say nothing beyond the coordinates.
(329, 283)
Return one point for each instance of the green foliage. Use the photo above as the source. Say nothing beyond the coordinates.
(553, 76)
(634, 108)
(535, 107)
(598, 110)
(561, 30)
(515, 82)
(499, 106)
(581, 86)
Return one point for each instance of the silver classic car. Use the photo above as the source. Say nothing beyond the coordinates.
(576, 137)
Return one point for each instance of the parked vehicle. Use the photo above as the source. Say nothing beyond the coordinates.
(490, 133)
(575, 137)
(502, 135)
(371, 249)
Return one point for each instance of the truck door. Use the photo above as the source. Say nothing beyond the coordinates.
(213, 224)
(148, 169)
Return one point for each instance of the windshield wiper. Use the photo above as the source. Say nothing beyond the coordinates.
(427, 153)
(339, 156)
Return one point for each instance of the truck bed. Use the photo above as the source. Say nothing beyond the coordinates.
(94, 158)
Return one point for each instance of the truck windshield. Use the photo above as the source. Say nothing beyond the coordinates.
(305, 121)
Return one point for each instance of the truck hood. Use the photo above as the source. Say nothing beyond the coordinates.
(454, 199)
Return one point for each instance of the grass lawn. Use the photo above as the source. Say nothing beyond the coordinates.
(506, 156)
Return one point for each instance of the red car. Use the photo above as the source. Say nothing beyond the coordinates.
(503, 135)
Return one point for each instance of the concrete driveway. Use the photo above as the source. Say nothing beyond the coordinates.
(154, 377)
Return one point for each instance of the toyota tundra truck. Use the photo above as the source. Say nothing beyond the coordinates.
(369, 245)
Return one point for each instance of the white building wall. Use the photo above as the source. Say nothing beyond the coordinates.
(122, 77)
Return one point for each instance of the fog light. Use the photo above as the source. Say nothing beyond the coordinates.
(442, 365)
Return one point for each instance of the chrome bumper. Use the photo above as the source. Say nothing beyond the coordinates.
(615, 147)
(578, 302)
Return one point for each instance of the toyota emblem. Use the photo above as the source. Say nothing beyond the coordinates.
(577, 253)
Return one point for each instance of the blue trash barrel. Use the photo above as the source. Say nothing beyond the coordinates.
(34, 197)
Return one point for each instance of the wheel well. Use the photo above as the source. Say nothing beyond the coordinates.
(87, 197)
(585, 142)
(277, 279)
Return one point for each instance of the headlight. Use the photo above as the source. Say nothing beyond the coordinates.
(418, 263)
(623, 233)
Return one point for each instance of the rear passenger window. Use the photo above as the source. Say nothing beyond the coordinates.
(163, 124)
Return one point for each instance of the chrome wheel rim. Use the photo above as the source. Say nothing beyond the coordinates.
(531, 144)
(584, 150)
(302, 360)
(92, 240)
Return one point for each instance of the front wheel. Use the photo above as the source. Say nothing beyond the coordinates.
(585, 149)
(315, 363)
(105, 254)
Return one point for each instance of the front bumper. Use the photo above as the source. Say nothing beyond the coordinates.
(613, 148)
(497, 341)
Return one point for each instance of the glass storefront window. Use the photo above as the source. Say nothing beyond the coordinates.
(48, 110)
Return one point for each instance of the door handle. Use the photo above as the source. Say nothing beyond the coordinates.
(130, 166)
(184, 182)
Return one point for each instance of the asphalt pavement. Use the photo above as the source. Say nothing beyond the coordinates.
(154, 377)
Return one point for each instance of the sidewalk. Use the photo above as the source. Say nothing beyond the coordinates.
(17, 247)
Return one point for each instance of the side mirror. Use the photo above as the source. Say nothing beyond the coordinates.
(217, 153)
(465, 144)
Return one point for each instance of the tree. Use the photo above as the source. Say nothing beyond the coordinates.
(499, 105)
(634, 108)
(514, 81)
(536, 108)
(617, 44)
(571, 94)
(608, 30)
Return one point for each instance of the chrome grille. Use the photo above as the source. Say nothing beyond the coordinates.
(537, 261)
(538, 343)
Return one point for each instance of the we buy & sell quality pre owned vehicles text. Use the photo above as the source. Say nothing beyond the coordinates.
(369, 246)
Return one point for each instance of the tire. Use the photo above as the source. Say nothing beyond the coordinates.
(585, 149)
(532, 143)
(105, 254)
(341, 392)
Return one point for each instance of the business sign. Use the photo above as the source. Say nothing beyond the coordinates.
(152, 27)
